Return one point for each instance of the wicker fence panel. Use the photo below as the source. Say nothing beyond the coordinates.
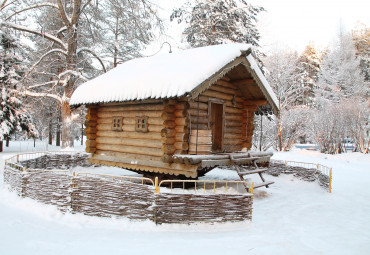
(190, 208)
(13, 178)
(57, 161)
(48, 187)
(307, 174)
(99, 197)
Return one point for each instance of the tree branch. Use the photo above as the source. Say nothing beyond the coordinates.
(93, 53)
(40, 94)
(32, 7)
(35, 32)
(44, 56)
(63, 14)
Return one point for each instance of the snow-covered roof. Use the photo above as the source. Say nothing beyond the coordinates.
(164, 76)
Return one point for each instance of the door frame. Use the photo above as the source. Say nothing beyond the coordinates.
(220, 102)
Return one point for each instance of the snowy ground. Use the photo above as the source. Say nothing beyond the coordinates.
(294, 217)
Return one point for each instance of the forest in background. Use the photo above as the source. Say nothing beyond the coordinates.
(49, 47)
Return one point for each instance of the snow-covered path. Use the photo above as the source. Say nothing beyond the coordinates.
(295, 218)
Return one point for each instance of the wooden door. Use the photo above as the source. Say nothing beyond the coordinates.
(216, 121)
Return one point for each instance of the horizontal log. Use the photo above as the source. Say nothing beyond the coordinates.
(130, 149)
(182, 121)
(168, 149)
(201, 133)
(167, 158)
(138, 107)
(169, 124)
(168, 140)
(91, 136)
(202, 106)
(168, 132)
(168, 116)
(258, 102)
(194, 113)
(230, 141)
(233, 130)
(130, 114)
(90, 123)
(192, 147)
(181, 137)
(130, 156)
(90, 150)
(199, 120)
(195, 126)
(181, 146)
(201, 139)
(91, 130)
(232, 148)
(133, 135)
(180, 113)
(128, 128)
(129, 142)
(216, 94)
(90, 143)
(242, 82)
(232, 123)
(182, 129)
(225, 89)
(234, 118)
(91, 117)
(182, 105)
(230, 109)
(199, 152)
(232, 136)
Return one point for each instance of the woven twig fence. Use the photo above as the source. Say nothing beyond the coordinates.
(305, 171)
(118, 196)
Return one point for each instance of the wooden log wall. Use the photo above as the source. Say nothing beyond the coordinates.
(239, 115)
(129, 143)
(175, 132)
(91, 130)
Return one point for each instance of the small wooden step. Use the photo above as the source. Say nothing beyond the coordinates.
(259, 170)
(258, 185)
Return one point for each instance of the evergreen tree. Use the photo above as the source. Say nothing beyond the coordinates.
(309, 65)
(212, 22)
(340, 75)
(13, 115)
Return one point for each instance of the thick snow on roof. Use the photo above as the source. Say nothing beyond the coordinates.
(161, 76)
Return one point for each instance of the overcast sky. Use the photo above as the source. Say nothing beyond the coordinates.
(291, 23)
(295, 23)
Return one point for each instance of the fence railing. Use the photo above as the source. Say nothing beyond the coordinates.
(325, 170)
(205, 186)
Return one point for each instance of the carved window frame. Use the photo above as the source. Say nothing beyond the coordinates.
(117, 123)
(141, 124)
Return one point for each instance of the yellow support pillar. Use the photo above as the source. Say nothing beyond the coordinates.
(156, 186)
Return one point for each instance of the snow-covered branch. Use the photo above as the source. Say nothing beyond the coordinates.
(44, 56)
(92, 53)
(43, 84)
(41, 94)
(32, 7)
(35, 32)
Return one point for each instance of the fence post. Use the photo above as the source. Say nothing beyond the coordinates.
(156, 186)
(330, 178)
(286, 164)
(317, 166)
(17, 158)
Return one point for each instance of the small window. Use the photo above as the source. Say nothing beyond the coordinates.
(117, 124)
(141, 124)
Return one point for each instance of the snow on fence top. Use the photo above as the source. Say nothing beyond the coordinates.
(163, 75)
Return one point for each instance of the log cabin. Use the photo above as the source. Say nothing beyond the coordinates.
(176, 114)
